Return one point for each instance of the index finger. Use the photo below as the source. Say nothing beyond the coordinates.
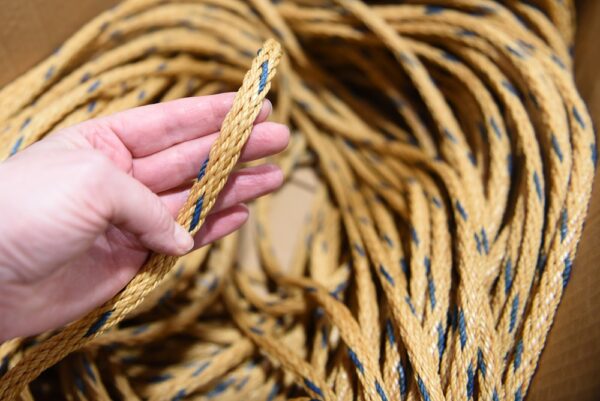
(149, 129)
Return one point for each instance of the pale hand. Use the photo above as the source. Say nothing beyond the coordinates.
(82, 208)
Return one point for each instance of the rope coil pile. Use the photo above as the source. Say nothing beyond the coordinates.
(454, 160)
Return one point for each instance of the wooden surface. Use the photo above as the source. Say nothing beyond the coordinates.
(570, 365)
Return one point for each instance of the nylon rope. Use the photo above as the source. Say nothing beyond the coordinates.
(453, 160)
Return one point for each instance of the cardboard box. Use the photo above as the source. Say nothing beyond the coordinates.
(570, 365)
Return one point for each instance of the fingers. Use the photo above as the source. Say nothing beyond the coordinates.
(220, 224)
(179, 164)
(149, 129)
(132, 207)
(243, 186)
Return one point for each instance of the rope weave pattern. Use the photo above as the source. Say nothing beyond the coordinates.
(454, 161)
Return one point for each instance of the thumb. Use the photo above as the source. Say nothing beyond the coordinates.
(134, 208)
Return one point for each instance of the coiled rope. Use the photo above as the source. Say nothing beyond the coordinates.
(454, 161)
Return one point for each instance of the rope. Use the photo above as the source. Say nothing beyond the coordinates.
(453, 160)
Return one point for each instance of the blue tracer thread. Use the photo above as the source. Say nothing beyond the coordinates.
(356, 361)
(441, 340)
(94, 86)
(141, 329)
(359, 249)
(410, 305)
(483, 131)
(202, 170)
(179, 396)
(450, 136)
(427, 264)
(49, 72)
(510, 88)
(481, 363)
(313, 387)
(273, 392)
(324, 336)
(514, 51)
(257, 330)
(431, 288)
(432, 10)
(263, 76)
(380, 391)
(88, 369)
(25, 123)
(472, 159)
(462, 328)
(242, 383)
(567, 270)
(16, 146)
(414, 236)
(386, 274)
(461, 210)
(470, 381)
(556, 147)
(518, 354)
(197, 212)
(423, 389)
(477, 243)
(4, 365)
(578, 117)
(220, 388)
(401, 379)
(563, 225)
(200, 369)
(97, 325)
(538, 185)
(390, 332)
(484, 241)
(159, 378)
(558, 61)
(508, 276)
(513, 313)
(519, 395)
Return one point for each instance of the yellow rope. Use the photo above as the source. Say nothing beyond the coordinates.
(454, 161)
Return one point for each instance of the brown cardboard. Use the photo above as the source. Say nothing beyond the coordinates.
(570, 366)
(31, 29)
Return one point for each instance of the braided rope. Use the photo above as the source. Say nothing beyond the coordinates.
(453, 159)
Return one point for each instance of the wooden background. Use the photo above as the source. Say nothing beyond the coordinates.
(570, 365)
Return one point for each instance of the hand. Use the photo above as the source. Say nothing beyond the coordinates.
(82, 208)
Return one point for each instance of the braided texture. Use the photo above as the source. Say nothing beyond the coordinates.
(452, 161)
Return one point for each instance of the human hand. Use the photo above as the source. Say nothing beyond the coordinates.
(82, 208)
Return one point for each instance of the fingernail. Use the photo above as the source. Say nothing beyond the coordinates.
(269, 106)
(183, 239)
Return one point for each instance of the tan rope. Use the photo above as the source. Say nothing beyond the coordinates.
(453, 160)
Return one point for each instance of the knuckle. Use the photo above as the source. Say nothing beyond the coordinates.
(163, 220)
